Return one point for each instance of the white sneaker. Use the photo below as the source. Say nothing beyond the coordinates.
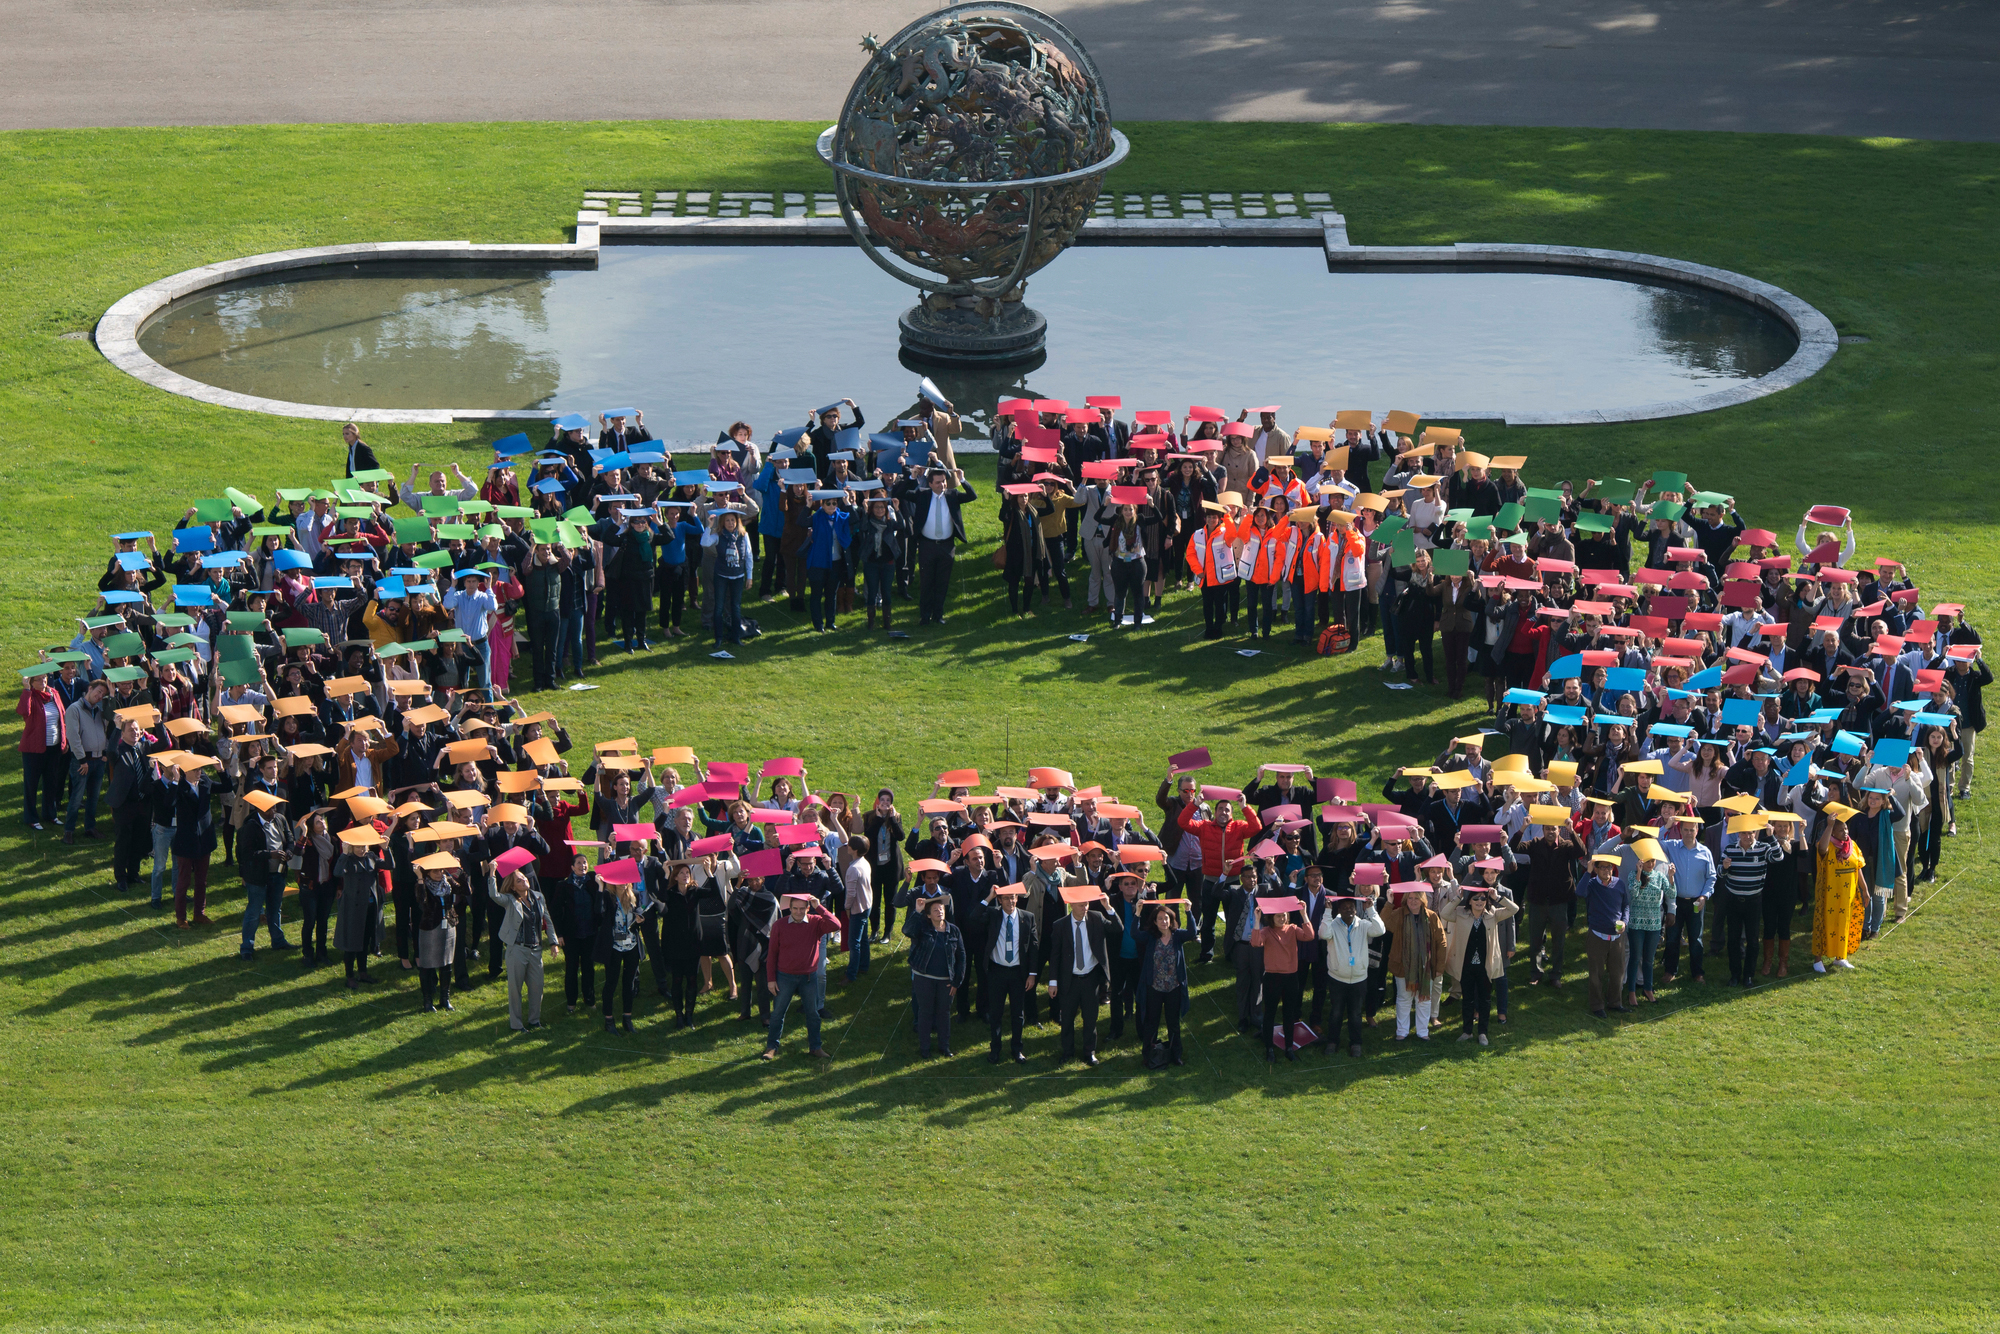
(1483, 1042)
(1846, 963)
(1465, 1037)
(1819, 965)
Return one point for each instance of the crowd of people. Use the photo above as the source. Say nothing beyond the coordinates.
(1690, 735)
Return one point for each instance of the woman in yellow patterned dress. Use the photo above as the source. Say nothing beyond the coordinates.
(1838, 904)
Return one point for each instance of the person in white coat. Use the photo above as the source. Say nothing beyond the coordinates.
(1345, 934)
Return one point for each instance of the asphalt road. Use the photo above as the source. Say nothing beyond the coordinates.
(1900, 68)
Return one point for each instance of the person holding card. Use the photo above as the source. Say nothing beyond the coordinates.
(937, 972)
(794, 966)
(1281, 930)
(1475, 953)
(1077, 968)
(1163, 982)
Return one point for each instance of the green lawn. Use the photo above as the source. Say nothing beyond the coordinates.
(196, 1142)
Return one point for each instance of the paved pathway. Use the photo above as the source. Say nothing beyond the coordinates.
(1908, 68)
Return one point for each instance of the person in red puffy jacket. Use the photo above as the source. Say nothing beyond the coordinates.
(1222, 840)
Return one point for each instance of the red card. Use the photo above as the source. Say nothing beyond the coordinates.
(1702, 620)
(701, 847)
(787, 767)
(1188, 761)
(764, 861)
(1153, 417)
(1334, 789)
(728, 772)
(1201, 414)
(1741, 594)
(794, 835)
(1832, 515)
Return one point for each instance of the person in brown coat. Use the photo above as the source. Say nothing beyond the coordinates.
(1417, 958)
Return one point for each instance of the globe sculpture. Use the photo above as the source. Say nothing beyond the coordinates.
(971, 149)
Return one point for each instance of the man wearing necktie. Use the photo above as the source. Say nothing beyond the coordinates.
(1009, 945)
(1078, 948)
(940, 525)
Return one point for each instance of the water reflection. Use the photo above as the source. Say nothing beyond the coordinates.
(703, 335)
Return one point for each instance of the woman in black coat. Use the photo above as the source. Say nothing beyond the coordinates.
(194, 842)
(1163, 983)
(680, 939)
(574, 904)
(319, 888)
(882, 826)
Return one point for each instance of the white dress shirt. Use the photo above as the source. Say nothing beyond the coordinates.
(1082, 961)
(1007, 940)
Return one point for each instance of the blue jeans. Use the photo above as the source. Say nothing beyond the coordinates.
(857, 953)
(1639, 947)
(265, 898)
(569, 643)
(729, 612)
(810, 988)
(86, 773)
(1871, 912)
(163, 851)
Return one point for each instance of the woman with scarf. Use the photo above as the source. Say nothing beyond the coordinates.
(1024, 556)
(1874, 832)
(1474, 953)
(620, 948)
(318, 852)
(1416, 956)
(441, 904)
(360, 870)
(1838, 911)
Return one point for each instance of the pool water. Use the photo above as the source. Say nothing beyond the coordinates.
(702, 335)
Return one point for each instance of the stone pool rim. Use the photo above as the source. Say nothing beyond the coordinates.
(117, 332)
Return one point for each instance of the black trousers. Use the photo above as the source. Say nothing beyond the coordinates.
(1314, 972)
(1281, 994)
(774, 565)
(935, 560)
(316, 901)
(1477, 1002)
(1249, 961)
(975, 975)
(930, 997)
(579, 968)
(1006, 1001)
(544, 632)
(1211, 904)
(621, 980)
(1347, 998)
(673, 584)
(1156, 1006)
(1124, 994)
(436, 983)
(132, 826)
(1743, 932)
(682, 987)
(1377, 988)
(1078, 997)
(404, 896)
(649, 931)
(751, 990)
(1214, 609)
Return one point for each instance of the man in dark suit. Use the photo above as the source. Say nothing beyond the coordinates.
(1078, 967)
(939, 524)
(1010, 950)
(617, 437)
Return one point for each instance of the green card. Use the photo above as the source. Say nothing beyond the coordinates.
(544, 530)
(1669, 510)
(1543, 510)
(123, 646)
(492, 530)
(289, 493)
(1590, 521)
(513, 512)
(1389, 527)
(464, 532)
(451, 637)
(420, 646)
(62, 656)
(247, 620)
(173, 620)
(118, 674)
(1461, 515)
(301, 635)
(39, 669)
(355, 512)
(170, 656)
(440, 504)
(182, 640)
(102, 622)
(433, 560)
(1546, 492)
(475, 506)
(1403, 549)
(1453, 560)
(321, 493)
(271, 530)
(1703, 499)
(1616, 490)
(374, 475)
(240, 672)
(1677, 482)
(1480, 529)
(578, 514)
(236, 648)
(1518, 539)
(572, 536)
(215, 509)
(249, 504)
(1509, 516)
(414, 528)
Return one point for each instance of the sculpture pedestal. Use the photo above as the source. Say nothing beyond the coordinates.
(963, 337)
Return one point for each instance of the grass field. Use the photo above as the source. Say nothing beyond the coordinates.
(195, 1142)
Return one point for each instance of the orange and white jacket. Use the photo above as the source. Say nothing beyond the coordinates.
(1288, 487)
(1316, 562)
(1271, 555)
(1208, 555)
